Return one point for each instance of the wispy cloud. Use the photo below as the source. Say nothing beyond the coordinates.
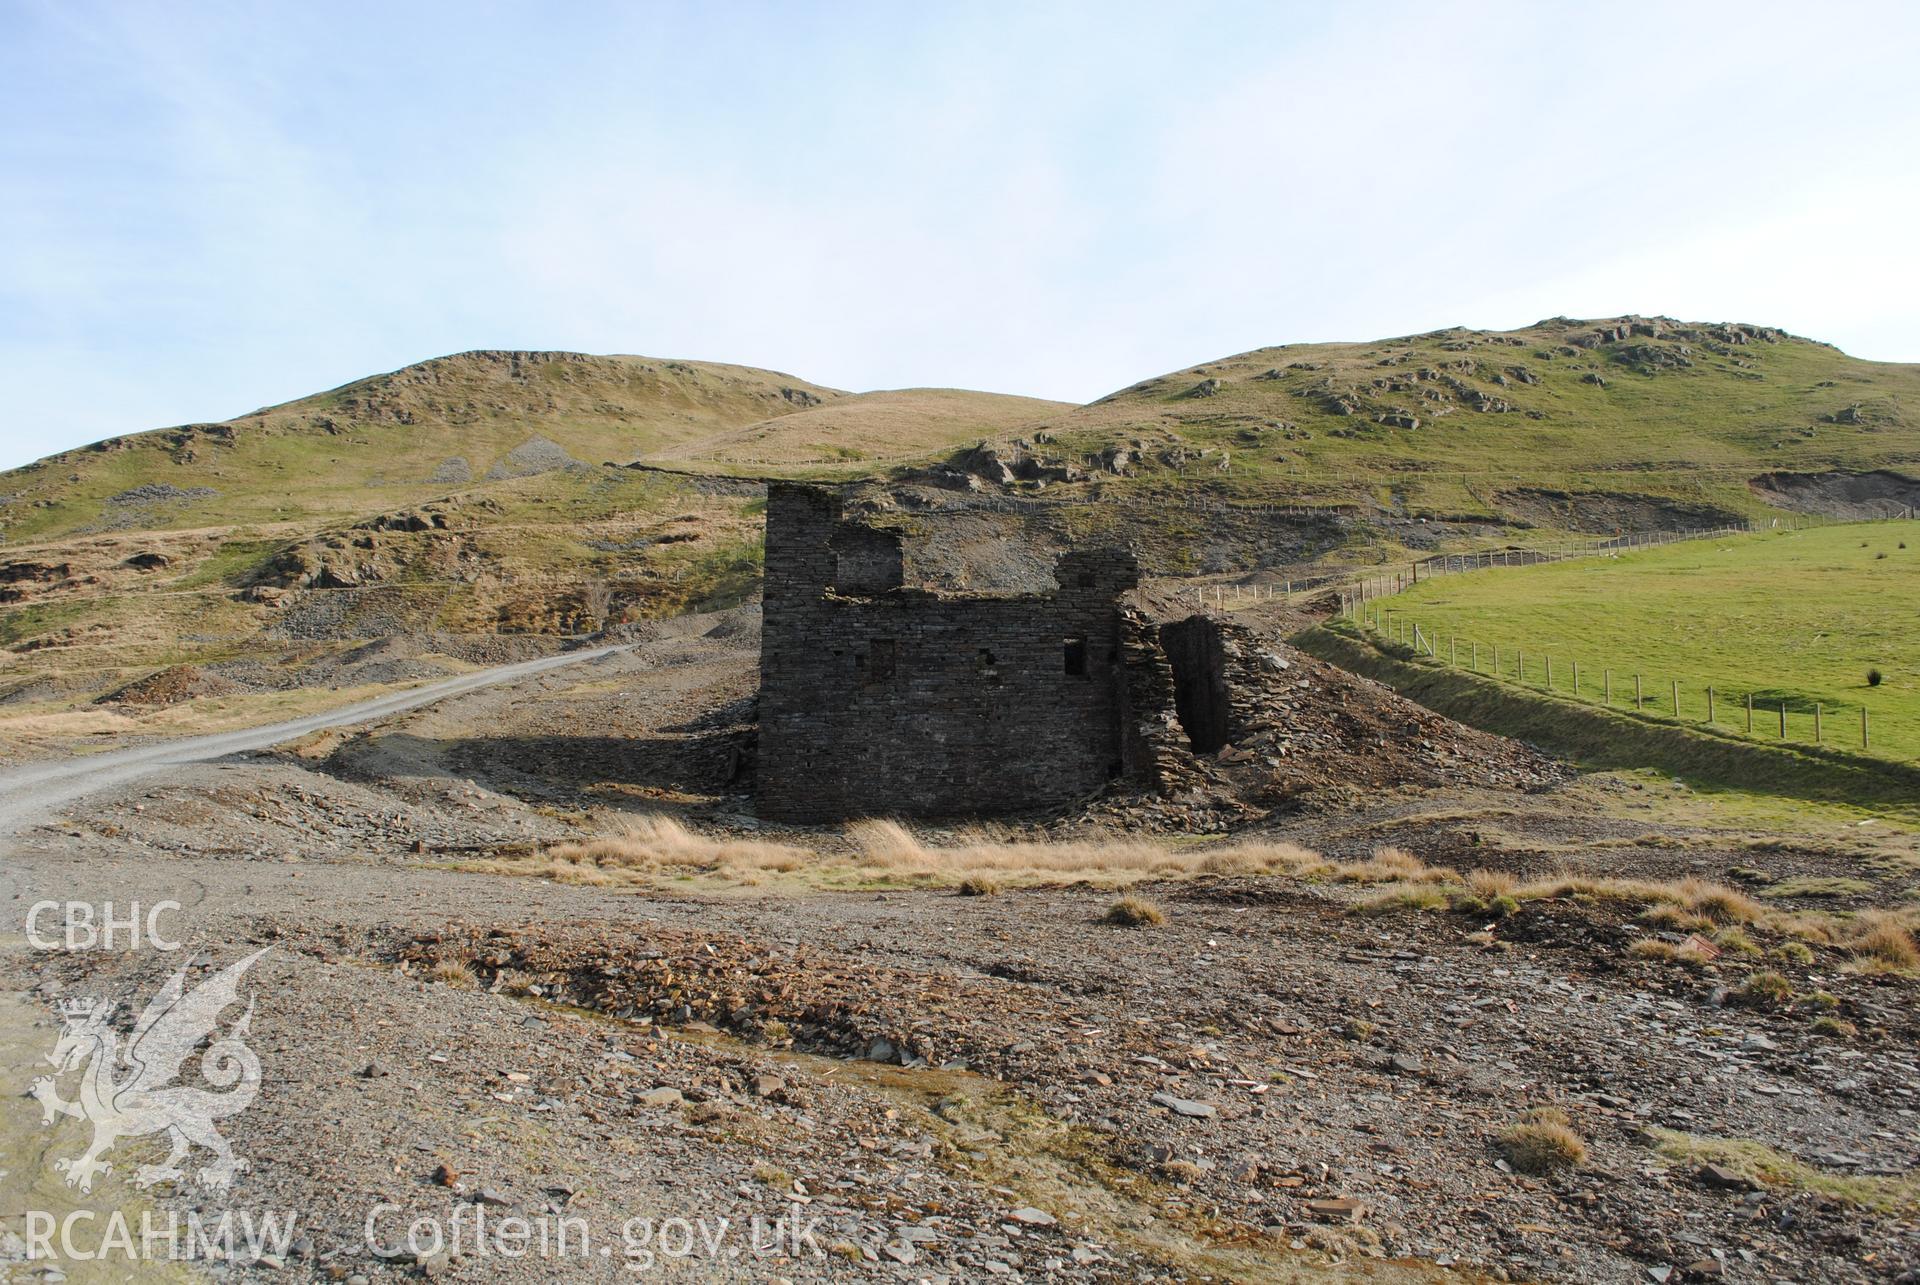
(213, 207)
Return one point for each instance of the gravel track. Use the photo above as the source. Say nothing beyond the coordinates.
(34, 790)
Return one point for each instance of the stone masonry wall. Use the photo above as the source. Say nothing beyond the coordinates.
(878, 700)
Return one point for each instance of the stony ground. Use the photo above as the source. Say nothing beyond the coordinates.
(910, 1084)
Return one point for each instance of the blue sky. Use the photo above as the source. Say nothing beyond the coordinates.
(210, 207)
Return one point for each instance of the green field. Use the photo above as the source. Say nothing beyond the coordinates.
(1795, 618)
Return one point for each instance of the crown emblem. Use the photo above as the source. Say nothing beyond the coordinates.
(82, 1007)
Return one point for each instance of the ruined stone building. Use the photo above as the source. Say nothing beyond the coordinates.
(879, 698)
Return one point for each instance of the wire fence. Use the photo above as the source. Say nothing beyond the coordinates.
(1758, 714)
(1362, 588)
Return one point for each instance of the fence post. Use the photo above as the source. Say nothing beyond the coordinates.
(1816, 722)
(1639, 701)
(1453, 655)
(1749, 713)
(1709, 704)
(1783, 720)
(1608, 680)
(1576, 680)
(1520, 664)
(1676, 697)
(1863, 727)
(1549, 673)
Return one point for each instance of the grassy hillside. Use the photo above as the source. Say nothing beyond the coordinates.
(1564, 424)
(470, 494)
(393, 440)
(465, 496)
(1792, 617)
(854, 434)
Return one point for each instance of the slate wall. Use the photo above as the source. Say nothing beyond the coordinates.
(880, 700)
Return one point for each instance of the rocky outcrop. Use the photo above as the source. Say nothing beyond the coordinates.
(1854, 496)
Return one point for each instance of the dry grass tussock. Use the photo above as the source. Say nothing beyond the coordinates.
(982, 862)
(453, 972)
(887, 847)
(1542, 1142)
(978, 861)
(1877, 940)
(1395, 865)
(656, 845)
(1883, 941)
(1135, 912)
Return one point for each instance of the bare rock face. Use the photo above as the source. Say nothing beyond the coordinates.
(1015, 463)
(1650, 359)
(19, 580)
(34, 572)
(407, 520)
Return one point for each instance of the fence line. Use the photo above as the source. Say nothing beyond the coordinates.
(1409, 634)
(1366, 588)
(1444, 564)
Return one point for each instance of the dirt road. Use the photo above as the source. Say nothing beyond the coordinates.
(30, 792)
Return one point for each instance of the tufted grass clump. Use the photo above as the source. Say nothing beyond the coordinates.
(1415, 897)
(1135, 912)
(1764, 989)
(1543, 1142)
(456, 973)
(1665, 952)
(1883, 943)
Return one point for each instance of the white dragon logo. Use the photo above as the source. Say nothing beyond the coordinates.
(145, 1100)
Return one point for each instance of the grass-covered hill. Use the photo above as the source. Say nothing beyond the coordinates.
(1565, 423)
(472, 494)
(856, 434)
(468, 495)
(393, 440)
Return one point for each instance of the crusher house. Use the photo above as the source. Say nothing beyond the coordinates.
(881, 699)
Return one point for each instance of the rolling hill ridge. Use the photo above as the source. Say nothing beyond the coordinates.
(559, 494)
(1588, 424)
